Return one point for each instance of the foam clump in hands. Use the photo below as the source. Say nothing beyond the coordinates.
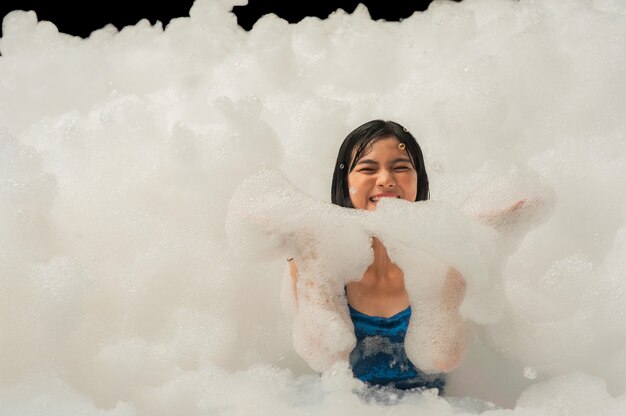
(269, 218)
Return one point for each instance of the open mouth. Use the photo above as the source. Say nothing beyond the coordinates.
(379, 197)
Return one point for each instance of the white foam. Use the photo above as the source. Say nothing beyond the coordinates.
(119, 154)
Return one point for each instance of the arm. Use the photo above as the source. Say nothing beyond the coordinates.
(318, 335)
(511, 215)
(454, 337)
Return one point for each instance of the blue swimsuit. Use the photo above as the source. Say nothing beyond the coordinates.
(379, 357)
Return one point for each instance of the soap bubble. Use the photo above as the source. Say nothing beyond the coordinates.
(135, 277)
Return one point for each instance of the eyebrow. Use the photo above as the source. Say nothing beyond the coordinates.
(373, 162)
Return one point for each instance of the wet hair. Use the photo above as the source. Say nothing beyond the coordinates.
(355, 145)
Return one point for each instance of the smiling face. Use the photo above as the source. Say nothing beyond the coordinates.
(385, 171)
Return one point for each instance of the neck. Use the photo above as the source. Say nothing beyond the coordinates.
(382, 263)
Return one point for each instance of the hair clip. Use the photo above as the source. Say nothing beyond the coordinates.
(401, 146)
(341, 166)
(404, 128)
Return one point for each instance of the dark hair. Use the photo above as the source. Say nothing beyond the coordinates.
(358, 141)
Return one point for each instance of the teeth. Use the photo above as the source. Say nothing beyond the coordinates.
(375, 199)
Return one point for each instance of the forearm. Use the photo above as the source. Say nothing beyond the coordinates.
(453, 340)
(320, 342)
(454, 329)
(320, 334)
(520, 212)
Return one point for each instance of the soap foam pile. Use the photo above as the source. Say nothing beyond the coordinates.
(119, 154)
(332, 247)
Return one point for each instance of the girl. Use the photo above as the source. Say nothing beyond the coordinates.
(381, 159)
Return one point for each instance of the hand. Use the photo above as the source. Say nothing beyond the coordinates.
(509, 215)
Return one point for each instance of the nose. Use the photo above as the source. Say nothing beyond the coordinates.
(385, 179)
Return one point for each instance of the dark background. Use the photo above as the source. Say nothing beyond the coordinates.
(80, 18)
